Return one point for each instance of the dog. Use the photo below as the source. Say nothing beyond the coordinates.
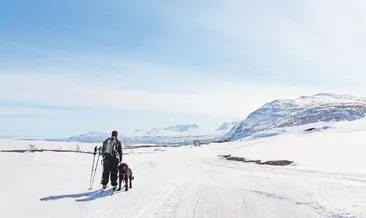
(124, 175)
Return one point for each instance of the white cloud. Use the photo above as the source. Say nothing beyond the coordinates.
(333, 34)
(326, 39)
(216, 99)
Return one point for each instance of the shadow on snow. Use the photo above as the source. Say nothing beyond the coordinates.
(81, 197)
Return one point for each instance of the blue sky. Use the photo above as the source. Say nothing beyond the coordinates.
(69, 67)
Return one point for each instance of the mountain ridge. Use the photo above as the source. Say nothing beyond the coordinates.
(321, 107)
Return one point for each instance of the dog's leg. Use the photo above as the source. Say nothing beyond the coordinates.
(126, 182)
(119, 182)
(130, 181)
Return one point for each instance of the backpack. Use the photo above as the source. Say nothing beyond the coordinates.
(110, 148)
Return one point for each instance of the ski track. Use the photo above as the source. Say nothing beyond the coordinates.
(194, 182)
(206, 193)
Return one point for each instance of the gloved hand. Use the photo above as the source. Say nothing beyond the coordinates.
(100, 150)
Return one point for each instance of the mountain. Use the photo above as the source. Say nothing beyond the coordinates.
(323, 107)
(227, 126)
(173, 135)
(89, 137)
(176, 130)
(139, 131)
(183, 128)
(173, 130)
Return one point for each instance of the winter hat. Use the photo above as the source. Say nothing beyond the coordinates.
(114, 133)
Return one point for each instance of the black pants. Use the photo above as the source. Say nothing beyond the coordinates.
(110, 168)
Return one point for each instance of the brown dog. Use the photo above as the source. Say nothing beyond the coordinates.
(124, 174)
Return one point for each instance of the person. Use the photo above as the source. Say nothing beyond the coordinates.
(112, 157)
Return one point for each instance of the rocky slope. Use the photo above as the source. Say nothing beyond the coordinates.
(304, 110)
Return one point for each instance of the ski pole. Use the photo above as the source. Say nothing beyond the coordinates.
(90, 181)
(96, 167)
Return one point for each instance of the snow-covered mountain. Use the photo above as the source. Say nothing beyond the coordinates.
(139, 131)
(175, 130)
(183, 128)
(173, 135)
(304, 110)
(226, 126)
(89, 137)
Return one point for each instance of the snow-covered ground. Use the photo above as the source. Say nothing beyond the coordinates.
(328, 179)
(9, 144)
(337, 147)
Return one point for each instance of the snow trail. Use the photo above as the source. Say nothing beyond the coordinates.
(180, 182)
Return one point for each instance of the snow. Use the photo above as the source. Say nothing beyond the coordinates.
(300, 111)
(173, 135)
(226, 126)
(339, 147)
(183, 130)
(10, 144)
(328, 178)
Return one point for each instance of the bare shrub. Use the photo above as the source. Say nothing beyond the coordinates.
(32, 147)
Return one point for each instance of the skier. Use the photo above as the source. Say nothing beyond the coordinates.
(112, 157)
